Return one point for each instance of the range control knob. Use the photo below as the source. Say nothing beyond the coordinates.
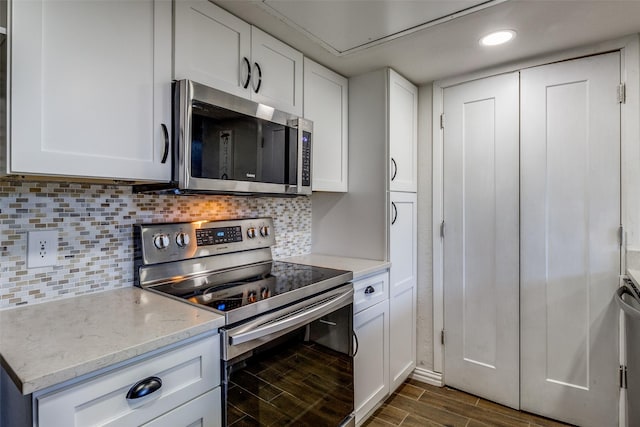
(265, 231)
(161, 241)
(251, 232)
(182, 239)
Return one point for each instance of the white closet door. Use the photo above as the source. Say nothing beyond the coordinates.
(481, 238)
(570, 205)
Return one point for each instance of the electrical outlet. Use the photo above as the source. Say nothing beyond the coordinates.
(42, 248)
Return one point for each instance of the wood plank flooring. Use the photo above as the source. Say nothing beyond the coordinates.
(419, 404)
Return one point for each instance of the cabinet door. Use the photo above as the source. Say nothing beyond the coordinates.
(402, 292)
(204, 411)
(403, 133)
(276, 74)
(325, 103)
(212, 47)
(86, 100)
(371, 362)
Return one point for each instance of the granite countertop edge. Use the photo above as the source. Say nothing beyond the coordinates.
(361, 267)
(31, 375)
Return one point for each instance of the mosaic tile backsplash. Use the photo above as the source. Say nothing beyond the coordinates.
(95, 232)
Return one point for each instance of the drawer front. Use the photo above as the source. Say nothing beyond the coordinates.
(205, 411)
(186, 372)
(370, 290)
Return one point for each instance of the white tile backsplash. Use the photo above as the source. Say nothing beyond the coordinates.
(95, 228)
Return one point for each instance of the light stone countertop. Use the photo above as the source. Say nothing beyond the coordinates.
(46, 344)
(361, 267)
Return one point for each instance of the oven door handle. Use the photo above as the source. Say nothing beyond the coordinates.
(298, 317)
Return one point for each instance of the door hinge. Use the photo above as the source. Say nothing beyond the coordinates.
(442, 121)
(622, 93)
(620, 236)
(623, 376)
(442, 230)
(442, 337)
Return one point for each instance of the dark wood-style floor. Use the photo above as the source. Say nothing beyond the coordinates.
(419, 404)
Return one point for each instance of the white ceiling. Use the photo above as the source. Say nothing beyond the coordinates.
(354, 24)
(325, 30)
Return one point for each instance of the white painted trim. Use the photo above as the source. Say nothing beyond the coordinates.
(630, 149)
(428, 377)
(437, 215)
(630, 154)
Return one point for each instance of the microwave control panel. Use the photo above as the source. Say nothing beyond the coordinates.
(306, 159)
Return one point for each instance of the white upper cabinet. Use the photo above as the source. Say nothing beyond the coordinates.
(90, 89)
(403, 133)
(214, 48)
(276, 73)
(326, 104)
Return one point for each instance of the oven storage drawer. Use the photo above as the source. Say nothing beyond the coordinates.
(370, 291)
(186, 372)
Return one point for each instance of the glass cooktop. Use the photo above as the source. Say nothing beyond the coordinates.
(276, 284)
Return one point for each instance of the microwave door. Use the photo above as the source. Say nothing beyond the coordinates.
(272, 153)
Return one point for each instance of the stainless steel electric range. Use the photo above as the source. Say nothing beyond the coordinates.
(288, 342)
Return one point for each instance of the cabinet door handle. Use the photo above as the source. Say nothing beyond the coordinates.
(166, 143)
(246, 84)
(369, 290)
(395, 213)
(144, 388)
(355, 338)
(257, 88)
(395, 169)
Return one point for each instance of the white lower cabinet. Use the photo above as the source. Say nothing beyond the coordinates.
(201, 412)
(189, 394)
(371, 327)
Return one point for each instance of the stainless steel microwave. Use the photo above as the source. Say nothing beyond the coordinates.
(227, 144)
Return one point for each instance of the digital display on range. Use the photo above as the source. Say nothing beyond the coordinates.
(217, 236)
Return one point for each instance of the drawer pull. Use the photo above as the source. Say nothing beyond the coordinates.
(144, 388)
(369, 290)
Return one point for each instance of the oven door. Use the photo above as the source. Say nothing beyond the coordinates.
(293, 367)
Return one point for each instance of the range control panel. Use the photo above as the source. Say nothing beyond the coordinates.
(218, 235)
(187, 240)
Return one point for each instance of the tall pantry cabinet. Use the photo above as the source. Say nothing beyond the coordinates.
(377, 218)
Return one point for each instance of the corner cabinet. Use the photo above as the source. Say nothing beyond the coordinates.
(326, 104)
(217, 49)
(403, 133)
(90, 89)
(403, 286)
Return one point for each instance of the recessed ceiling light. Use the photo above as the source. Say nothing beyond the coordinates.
(497, 37)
